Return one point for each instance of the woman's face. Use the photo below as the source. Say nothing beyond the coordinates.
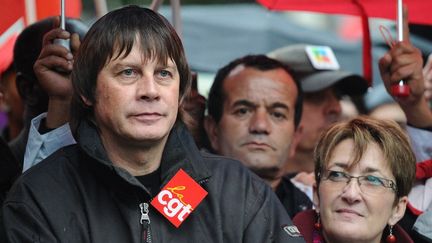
(353, 213)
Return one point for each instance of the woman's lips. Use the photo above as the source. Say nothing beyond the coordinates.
(348, 211)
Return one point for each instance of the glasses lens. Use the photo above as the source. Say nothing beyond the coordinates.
(368, 184)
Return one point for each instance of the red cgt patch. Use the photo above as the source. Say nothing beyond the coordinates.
(179, 198)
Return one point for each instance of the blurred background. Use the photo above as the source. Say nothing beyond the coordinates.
(215, 32)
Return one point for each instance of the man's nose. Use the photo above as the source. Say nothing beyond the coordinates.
(147, 88)
(260, 122)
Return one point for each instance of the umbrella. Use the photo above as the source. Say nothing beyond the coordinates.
(364, 8)
(419, 9)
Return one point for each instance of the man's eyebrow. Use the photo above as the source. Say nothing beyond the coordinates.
(120, 65)
(244, 103)
(168, 65)
(279, 105)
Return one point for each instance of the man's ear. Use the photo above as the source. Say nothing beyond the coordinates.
(398, 210)
(295, 140)
(210, 127)
(24, 86)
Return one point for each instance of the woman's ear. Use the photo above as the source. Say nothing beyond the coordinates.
(316, 197)
(86, 101)
(398, 210)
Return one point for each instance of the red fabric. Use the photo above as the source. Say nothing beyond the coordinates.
(6, 54)
(46, 8)
(414, 210)
(367, 46)
(305, 221)
(11, 11)
(419, 10)
(424, 170)
(14, 11)
(418, 13)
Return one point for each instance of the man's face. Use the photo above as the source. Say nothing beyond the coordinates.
(320, 110)
(136, 101)
(257, 124)
(11, 101)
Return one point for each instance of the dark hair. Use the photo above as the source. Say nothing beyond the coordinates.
(112, 37)
(261, 62)
(29, 44)
(387, 134)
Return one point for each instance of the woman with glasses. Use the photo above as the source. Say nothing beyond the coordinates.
(364, 169)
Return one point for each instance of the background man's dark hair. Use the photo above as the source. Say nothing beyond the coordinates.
(260, 62)
(26, 51)
(113, 36)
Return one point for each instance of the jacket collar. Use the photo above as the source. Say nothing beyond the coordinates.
(180, 152)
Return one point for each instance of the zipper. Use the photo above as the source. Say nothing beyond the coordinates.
(145, 222)
(203, 181)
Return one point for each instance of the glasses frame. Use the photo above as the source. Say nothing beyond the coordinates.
(387, 183)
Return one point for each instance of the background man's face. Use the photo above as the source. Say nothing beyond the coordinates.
(320, 110)
(257, 124)
(11, 101)
(137, 100)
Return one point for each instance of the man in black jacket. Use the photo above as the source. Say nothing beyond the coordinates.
(254, 109)
(129, 79)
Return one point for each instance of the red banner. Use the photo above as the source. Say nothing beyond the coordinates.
(419, 10)
(16, 14)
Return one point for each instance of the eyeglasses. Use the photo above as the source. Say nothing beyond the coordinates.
(368, 183)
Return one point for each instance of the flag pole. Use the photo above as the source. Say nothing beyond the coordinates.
(100, 8)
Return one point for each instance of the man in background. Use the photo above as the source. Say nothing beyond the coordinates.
(323, 84)
(254, 110)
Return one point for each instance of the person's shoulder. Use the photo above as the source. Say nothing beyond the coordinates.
(219, 160)
(304, 221)
(230, 175)
(54, 162)
(228, 167)
(47, 176)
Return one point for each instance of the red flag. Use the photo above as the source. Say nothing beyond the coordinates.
(179, 198)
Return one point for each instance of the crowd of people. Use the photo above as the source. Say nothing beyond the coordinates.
(114, 144)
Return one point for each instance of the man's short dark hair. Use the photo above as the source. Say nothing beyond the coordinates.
(217, 96)
(113, 36)
(29, 44)
(26, 51)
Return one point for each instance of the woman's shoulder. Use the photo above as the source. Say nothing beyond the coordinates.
(305, 221)
(401, 235)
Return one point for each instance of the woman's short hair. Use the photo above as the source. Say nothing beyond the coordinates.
(390, 138)
(113, 36)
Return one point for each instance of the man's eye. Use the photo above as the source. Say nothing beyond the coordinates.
(128, 72)
(165, 73)
(373, 180)
(241, 111)
(279, 115)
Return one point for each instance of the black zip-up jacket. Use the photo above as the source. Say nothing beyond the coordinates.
(78, 195)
